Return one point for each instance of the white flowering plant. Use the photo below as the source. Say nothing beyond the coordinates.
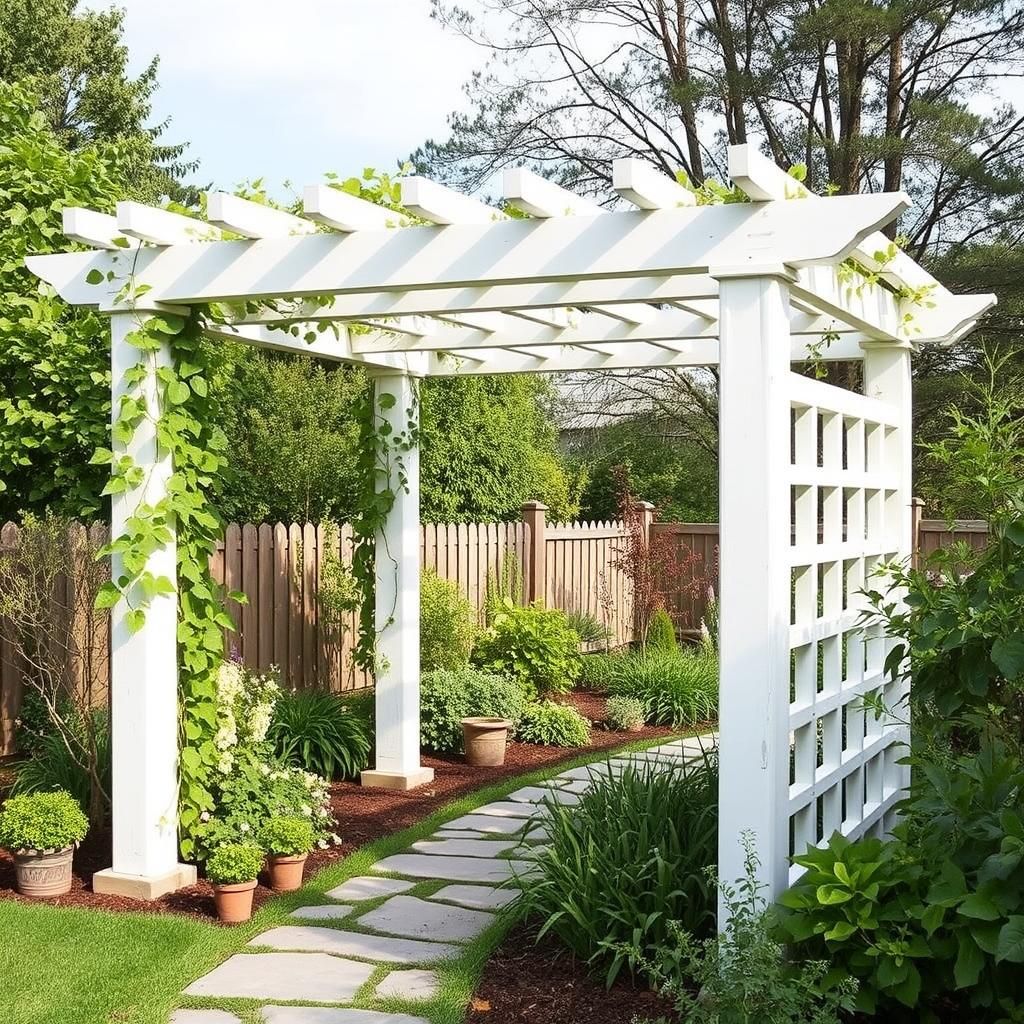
(253, 786)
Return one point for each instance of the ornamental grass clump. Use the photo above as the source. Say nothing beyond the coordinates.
(42, 821)
(553, 725)
(631, 857)
(676, 688)
(318, 731)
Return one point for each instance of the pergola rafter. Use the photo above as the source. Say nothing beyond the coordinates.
(815, 481)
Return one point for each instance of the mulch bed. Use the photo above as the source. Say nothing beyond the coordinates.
(527, 981)
(362, 815)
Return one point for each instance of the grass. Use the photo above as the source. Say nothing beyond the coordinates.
(74, 966)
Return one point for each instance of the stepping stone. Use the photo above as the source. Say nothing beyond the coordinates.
(464, 847)
(411, 985)
(367, 947)
(477, 897)
(511, 809)
(530, 852)
(538, 794)
(417, 919)
(457, 833)
(584, 771)
(454, 869)
(327, 1015)
(329, 912)
(486, 823)
(366, 887)
(540, 832)
(311, 977)
(203, 1017)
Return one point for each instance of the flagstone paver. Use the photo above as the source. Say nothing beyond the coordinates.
(481, 854)
(312, 977)
(419, 919)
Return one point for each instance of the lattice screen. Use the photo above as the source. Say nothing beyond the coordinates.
(847, 505)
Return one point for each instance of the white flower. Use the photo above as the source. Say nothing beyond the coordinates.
(264, 770)
(336, 838)
(322, 844)
(205, 816)
(306, 809)
(244, 827)
(226, 763)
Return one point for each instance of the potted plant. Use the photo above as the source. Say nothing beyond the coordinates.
(287, 841)
(41, 830)
(484, 740)
(233, 868)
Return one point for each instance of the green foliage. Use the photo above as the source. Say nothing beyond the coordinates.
(676, 688)
(447, 624)
(287, 837)
(661, 634)
(504, 587)
(533, 645)
(234, 863)
(447, 697)
(317, 731)
(589, 628)
(623, 713)
(627, 860)
(553, 725)
(741, 976)
(42, 821)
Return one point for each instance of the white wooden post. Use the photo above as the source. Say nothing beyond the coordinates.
(755, 520)
(143, 669)
(397, 605)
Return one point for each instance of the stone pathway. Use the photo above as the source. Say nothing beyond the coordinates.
(384, 937)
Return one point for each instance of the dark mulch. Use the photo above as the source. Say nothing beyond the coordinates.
(362, 815)
(527, 981)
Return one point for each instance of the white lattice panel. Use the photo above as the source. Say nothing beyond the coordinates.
(847, 509)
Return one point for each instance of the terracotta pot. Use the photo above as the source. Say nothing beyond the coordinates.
(43, 873)
(484, 740)
(234, 902)
(286, 872)
(638, 727)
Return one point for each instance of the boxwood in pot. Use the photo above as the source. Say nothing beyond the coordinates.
(42, 830)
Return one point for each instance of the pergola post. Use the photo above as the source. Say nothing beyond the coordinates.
(143, 665)
(754, 459)
(397, 604)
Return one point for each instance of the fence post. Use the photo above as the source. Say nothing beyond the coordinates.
(916, 514)
(535, 574)
(647, 521)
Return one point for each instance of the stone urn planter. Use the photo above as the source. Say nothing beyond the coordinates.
(234, 901)
(484, 740)
(285, 873)
(43, 874)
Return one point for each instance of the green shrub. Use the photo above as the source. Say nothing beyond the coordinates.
(447, 624)
(533, 645)
(42, 821)
(676, 688)
(628, 859)
(598, 670)
(287, 837)
(661, 634)
(448, 697)
(234, 863)
(591, 629)
(553, 725)
(318, 731)
(624, 713)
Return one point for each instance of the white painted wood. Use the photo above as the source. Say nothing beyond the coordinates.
(162, 227)
(442, 205)
(648, 188)
(92, 228)
(143, 664)
(345, 212)
(754, 601)
(253, 220)
(540, 197)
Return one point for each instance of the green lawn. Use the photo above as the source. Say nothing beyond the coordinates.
(65, 966)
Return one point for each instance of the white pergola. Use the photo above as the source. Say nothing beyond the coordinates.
(815, 480)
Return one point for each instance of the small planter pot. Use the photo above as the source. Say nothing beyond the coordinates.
(286, 872)
(234, 902)
(484, 740)
(43, 873)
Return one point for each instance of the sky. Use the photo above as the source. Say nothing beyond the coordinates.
(290, 89)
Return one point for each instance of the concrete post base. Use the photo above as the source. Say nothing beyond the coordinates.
(397, 780)
(142, 887)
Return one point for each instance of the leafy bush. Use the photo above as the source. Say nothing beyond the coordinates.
(676, 688)
(661, 634)
(741, 976)
(598, 670)
(448, 697)
(553, 725)
(533, 645)
(234, 863)
(591, 630)
(317, 731)
(627, 860)
(42, 821)
(447, 624)
(624, 713)
(287, 837)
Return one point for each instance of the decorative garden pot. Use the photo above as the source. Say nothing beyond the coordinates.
(484, 740)
(43, 873)
(286, 872)
(234, 902)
